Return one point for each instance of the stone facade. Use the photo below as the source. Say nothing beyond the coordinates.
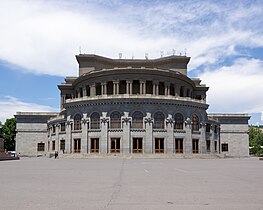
(233, 134)
(129, 106)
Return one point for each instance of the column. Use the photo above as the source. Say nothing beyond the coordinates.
(155, 88)
(103, 88)
(68, 135)
(170, 134)
(57, 138)
(104, 133)
(84, 91)
(126, 125)
(142, 87)
(167, 88)
(118, 87)
(84, 134)
(127, 87)
(92, 90)
(131, 87)
(177, 90)
(148, 141)
(188, 137)
(115, 87)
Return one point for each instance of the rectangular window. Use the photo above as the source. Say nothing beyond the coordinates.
(87, 90)
(159, 145)
(195, 145)
(62, 127)
(53, 129)
(77, 145)
(172, 90)
(179, 145)
(137, 145)
(215, 129)
(98, 89)
(41, 147)
(94, 145)
(62, 145)
(216, 146)
(81, 92)
(53, 145)
(208, 146)
(224, 147)
(115, 145)
(208, 127)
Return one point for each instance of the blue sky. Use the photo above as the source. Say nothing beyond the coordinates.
(39, 39)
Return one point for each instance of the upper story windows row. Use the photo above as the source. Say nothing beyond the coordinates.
(133, 87)
(137, 121)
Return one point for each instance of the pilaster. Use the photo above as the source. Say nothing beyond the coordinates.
(170, 134)
(148, 143)
(57, 137)
(202, 139)
(84, 134)
(188, 137)
(104, 133)
(212, 139)
(126, 126)
(68, 135)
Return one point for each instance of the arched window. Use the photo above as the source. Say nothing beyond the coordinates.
(178, 121)
(77, 122)
(137, 120)
(195, 121)
(95, 121)
(115, 120)
(158, 120)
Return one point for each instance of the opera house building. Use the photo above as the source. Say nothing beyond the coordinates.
(132, 107)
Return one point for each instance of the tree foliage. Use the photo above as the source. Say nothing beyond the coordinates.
(255, 140)
(9, 133)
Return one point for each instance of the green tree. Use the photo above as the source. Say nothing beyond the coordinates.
(9, 133)
(255, 140)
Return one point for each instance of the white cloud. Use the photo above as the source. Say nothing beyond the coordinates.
(43, 36)
(10, 105)
(236, 88)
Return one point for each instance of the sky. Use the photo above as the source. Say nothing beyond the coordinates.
(40, 38)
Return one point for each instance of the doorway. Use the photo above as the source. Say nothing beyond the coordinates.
(137, 145)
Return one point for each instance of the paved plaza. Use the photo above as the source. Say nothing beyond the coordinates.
(123, 183)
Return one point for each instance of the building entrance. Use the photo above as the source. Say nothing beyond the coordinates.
(115, 145)
(179, 146)
(94, 145)
(77, 145)
(137, 145)
(159, 145)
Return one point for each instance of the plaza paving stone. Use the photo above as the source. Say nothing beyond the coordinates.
(124, 183)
